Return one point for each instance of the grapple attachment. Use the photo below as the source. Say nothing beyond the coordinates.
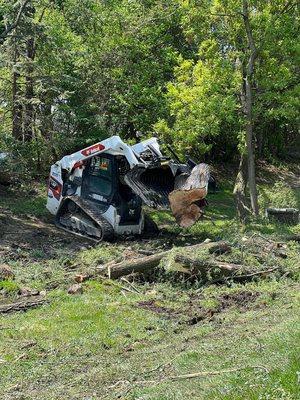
(152, 184)
(172, 185)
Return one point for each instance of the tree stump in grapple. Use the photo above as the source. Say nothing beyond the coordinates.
(188, 197)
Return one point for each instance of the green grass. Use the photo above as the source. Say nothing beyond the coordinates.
(81, 346)
(9, 287)
(20, 202)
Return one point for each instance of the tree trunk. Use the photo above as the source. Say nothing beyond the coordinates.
(203, 265)
(240, 189)
(248, 109)
(143, 264)
(242, 175)
(29, 93)
(16, 108)
(47, 127)
(250, 148)
(149, 263)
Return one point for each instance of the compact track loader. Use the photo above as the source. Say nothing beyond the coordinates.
(98, 192)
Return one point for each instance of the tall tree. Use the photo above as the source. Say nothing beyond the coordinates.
(29, 114)
(222, 77)
(75, 71)
(247, 105)
(8, 28)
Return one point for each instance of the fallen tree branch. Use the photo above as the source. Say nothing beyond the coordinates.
(202, 265)
(149, 263)
(143, 264)
(244, 277)
(218, 372)
(130, 284)
(21, 306)
(251, 275)
(201, 374)
(206, 266)
(295, 238)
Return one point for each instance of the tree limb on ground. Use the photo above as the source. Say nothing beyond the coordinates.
(21, 306)
(246, 277)
(183, 264)
(295, 238)
(201, 374)
(205, 265)
(230, 270)
(149, 263)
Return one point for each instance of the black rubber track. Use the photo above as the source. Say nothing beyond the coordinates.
(93, 212)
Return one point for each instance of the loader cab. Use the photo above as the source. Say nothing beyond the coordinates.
(102, 183)
(99, 179)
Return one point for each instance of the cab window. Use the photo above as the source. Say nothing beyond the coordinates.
(99, 176)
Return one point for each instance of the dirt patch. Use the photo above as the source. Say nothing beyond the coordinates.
(201, 315)
(242, 300)
(268, 173)
(192, 313)
(151, 305)
(19, 234)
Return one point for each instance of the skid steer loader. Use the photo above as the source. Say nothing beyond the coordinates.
(98, 192)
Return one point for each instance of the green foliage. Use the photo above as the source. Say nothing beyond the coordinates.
(120, 67)
(280, 195)
(98, 69)
(8, 287)
(204, 98)
(202, 102)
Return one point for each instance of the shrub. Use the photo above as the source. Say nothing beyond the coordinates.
(280, 195)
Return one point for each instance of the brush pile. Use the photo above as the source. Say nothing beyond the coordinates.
(211, 262)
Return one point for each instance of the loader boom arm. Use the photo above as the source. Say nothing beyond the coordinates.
(112, 145)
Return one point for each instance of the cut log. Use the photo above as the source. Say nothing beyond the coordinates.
(149, 263)
(144, 264)
(21, 306)
(187, 200)
(204, 265)
(295, 238)
(229, 270)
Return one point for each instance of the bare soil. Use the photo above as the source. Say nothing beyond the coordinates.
(30, 233)
(192, 312)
